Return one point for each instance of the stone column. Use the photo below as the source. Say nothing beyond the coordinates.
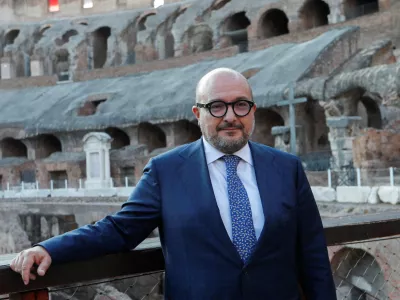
(342, 131)
(37, 66)
(7, 68)
(97, 147)
(282, 138)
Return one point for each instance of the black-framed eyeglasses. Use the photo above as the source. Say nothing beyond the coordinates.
(219, 108)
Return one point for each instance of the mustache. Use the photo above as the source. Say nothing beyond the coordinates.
(230, 125)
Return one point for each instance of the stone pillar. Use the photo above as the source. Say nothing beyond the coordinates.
(7, 68)
(282, 138)
(37, 66)
(97, 147)
(342, 131)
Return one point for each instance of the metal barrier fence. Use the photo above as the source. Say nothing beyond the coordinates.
(364, 252)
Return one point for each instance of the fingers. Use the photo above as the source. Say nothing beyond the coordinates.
(27, 264)
(44, 265)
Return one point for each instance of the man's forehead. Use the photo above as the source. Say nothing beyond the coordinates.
(227, 84)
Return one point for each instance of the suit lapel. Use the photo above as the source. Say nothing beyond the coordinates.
(196, 180)
(268, 181)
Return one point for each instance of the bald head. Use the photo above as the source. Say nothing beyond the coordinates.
(217, 77)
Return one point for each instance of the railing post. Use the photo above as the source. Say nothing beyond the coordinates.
(66, 183)
(358, 177)
(391, 176)
(126, 181)
(8, 186)
(22, 186)
(329, 178)
(51, 185)
(35, 295)
(37, 185)
(80, 183)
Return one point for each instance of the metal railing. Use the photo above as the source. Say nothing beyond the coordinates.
(363, 249)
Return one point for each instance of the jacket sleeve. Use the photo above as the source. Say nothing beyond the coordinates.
(315, 274)
(123, 231)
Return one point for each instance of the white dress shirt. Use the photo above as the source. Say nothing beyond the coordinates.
(246, 173)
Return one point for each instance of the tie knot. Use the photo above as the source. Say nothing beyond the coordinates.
(231, 161)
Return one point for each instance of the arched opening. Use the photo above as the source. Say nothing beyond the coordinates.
(11, 36)
(235, 27)
(314, 13)
(198, 38)
(169, 45)
(65, 37)
(142, 22)
(370, 113)
(218, 4)
(152, 136)
(274, 22)
(11, 147)
(120, 138)
(265, 119)
(100, 46)
(357, 8)
(44, 28)
(61, 64)
(186, 132)
(47, 144)
(357, 275)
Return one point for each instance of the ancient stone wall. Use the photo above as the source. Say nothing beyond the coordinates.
(377, 149)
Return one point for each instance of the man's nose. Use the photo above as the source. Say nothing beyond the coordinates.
(230, 115)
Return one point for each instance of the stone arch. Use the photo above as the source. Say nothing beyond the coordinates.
(234, 29)
(265, 119)
(141, 24)
(218, 4)
(65, 37)
(314, 13)
(152, 136)
(273, 22)
(11, 36)
(119, 138)
(100, 46)
(47, 144)
(198, 38)
(44, 28)
(169, 45)
(11, 147)
(61, 64)
(357, 274)
(357, 8)
(186, 132)
(370, 112)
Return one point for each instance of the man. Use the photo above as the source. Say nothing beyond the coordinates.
(237, 219)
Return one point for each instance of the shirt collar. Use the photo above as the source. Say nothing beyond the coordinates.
(213, 154)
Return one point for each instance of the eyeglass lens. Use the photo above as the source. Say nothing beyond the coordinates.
(219, 108)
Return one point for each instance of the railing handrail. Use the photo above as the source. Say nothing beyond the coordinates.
(148, 257)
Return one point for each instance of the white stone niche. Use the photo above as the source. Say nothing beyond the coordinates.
(97, 147)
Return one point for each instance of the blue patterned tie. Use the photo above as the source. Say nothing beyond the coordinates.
(243, 233)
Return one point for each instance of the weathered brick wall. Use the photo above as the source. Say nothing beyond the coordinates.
(377, 149)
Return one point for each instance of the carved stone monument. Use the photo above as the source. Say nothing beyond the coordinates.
(97, 147)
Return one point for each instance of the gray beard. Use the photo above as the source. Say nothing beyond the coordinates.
(228, 147)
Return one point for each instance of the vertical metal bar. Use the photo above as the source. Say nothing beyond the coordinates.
(391, 176)
(329, 178)
(358, 177)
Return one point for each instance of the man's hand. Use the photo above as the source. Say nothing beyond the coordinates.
(24, 263)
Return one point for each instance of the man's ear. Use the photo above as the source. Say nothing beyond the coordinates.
(196, 112)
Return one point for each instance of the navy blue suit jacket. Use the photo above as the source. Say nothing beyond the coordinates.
(176, 195)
